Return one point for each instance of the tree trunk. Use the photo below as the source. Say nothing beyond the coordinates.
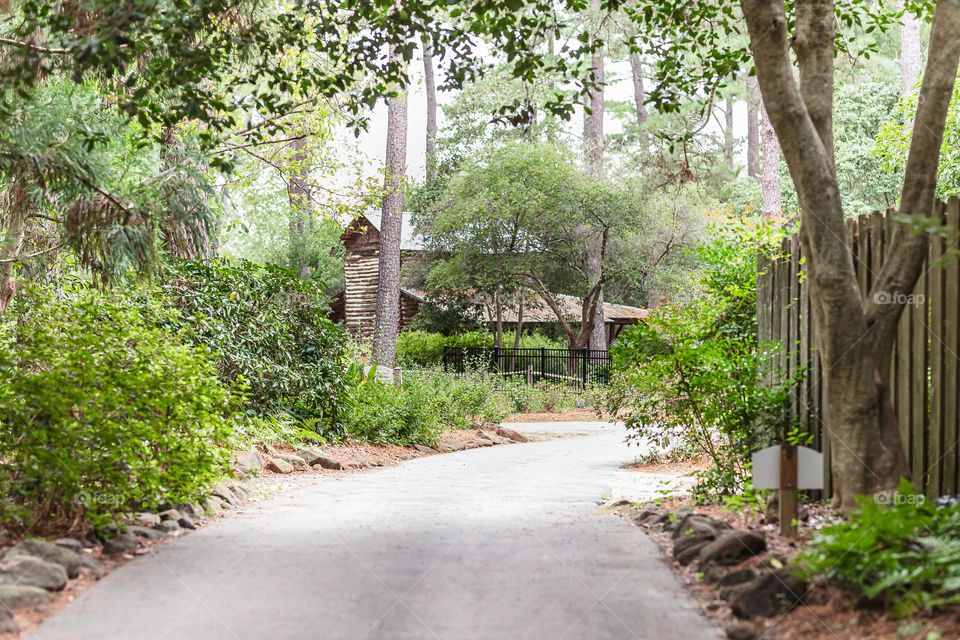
(753, 128)
(771, 206)
(387, 322)
(431, 89)
(519, 327)
(728, 132)
(594, 144)
(498, 306)
(856, 335)
(639, 94)
(301, 220)
(15, 218)
(910, 62)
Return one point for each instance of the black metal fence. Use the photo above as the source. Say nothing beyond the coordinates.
(574, 366)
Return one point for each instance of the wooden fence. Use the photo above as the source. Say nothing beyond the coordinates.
(925, 378)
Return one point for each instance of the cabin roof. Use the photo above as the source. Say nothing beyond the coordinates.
(409, 240)
(536, 311)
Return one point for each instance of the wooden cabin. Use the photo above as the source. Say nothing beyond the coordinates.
(356, 306)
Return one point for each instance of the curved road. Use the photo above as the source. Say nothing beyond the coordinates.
(497, 543)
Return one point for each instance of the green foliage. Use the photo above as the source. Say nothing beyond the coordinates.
(900, 551)
(269, 328)
(690, 374)
(425, 349)
(381, 413)
(461, 401)
(102, 409)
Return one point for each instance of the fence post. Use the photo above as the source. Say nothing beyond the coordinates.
(583, 375)
(543, 361)
(397, 377)
(530, 374)
(496, 358)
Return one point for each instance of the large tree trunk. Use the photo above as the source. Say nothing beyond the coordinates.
(753, 128)
(910, 61)
(301, 220)
(639, 94)
(387, 322)
(498, 307)
(594, 144)
(431, 89)
(855, 335)
(770, 188)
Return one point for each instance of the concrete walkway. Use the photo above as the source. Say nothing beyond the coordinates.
(497, 543)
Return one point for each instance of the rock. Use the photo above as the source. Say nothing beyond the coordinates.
(193, 511)
(493, 437)
(645, 517)
(146, 532)
(214, 505)
(20, 597)
(147, 519)
(279, 465)
(247, 462)
(697, 524)
(687, 548)
(326, 462)
(121, 543)
(170, 514)
(713, 572)
(770, 594)
(70, 543)
(296, 462)
(7, 623)
(424, 449)
(739, 576)
(449, 443)
(669, 519)
(741, 631)
(32, 572)
(169, 526)
(732, 547)
(186, 522)
(310, 454)
(239, 490)
(71, 561)
(225, 494)
(512, 434)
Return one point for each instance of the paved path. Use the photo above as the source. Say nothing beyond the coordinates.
(498, 543)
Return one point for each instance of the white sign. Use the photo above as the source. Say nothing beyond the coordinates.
(766, 468)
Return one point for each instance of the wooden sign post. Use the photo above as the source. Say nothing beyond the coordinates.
(788, 468)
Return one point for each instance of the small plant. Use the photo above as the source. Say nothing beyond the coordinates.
(901, 552)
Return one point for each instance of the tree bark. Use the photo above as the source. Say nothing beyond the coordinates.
(498, 307)
(431, 89)
(728, 132)
(910, 61)
(594, 144)
(771, 206)
(519, 327)
(856, 335)
(15, 218)
(753, 128)
(301, 220)
(639, 94)
(387, 321)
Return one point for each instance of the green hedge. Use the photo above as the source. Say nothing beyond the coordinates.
(104, 408)
(425, 349)
(269, 328)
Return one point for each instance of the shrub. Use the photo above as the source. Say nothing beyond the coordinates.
(425, 349)
(901, 552)
(461, 401)
(102, 410)
(691, 374)
(269, 328)
(384, 414)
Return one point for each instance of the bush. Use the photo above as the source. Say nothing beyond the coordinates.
(383, 414)
(102, 410)
(269, 328)
(691, 374)
(461, 401)
(903, 553)
(425, 349)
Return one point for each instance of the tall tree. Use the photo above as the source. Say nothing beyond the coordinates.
(430, 85)
(728, 142)
(639, 94)
(387, 322)
(594, 147)
(910, 60)
(301, 218)
(770, 188)
(753, 127)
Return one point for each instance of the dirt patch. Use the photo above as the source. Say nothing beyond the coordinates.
(829, 612)
(668, 466)
(574, 415)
